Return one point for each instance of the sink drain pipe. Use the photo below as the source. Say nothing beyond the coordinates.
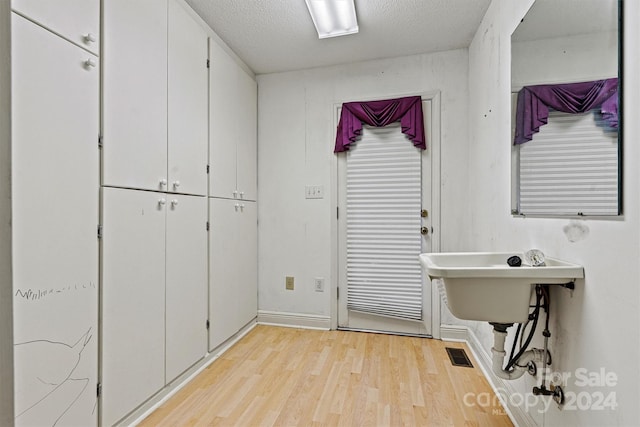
(520, 364)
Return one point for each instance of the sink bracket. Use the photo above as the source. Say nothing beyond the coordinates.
(569, 285)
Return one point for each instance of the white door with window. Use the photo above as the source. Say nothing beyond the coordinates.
(384, 222)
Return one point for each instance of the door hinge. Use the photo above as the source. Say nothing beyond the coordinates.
(208, 63)
(99, 231)
(99, 141)
(207, 225)
(207, 169)
(98, 389)
(338, 292)
(208, 324)
(337, 212)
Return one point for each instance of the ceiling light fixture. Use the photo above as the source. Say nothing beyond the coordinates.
(333, 18)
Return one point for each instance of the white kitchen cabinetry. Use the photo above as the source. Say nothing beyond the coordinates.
(76, 20)
(55, 179)
(233, 124)
(154, 101)
(154, 294)
(232, 267)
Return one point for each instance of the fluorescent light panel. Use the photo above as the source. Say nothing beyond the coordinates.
(333, 17)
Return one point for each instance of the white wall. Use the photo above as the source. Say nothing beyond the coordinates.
(596, 326)
(6, 294)
(296, 135)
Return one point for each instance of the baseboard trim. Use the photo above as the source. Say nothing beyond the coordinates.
(501, 387)
(294, 320)
(143, 411)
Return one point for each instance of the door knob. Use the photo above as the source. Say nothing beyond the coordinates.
(424, 230)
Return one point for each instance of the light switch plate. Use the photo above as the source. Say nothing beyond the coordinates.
(314, 192)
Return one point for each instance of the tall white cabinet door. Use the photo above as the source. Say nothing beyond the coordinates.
(55, 176)
(76, 20)
(188, 103)
(135, 94)
(247, 159)
(223, 270)
(247, 259)
(224, 123)
(133, 299)
(186, 301)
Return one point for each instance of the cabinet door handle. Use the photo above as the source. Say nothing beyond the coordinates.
(176, 184)
(242, 194)
(242, 207)
(237, 206)
(162, 202)
(163, 183)
(89, 38)
(174, 203)
(90, 63)
(235, 194)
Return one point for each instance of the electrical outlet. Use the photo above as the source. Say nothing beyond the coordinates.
(288, 283)
(318, 283)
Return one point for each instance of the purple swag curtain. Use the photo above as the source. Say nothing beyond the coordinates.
(381, 113)
(534, 102)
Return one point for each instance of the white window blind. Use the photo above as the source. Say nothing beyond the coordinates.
(383, 224)
(570, 167)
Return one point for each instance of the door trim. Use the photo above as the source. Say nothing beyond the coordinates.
(434, 146)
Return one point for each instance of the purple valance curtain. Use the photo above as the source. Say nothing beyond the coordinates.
(381, 113)
(534, 103)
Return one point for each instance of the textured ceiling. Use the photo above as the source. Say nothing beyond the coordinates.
(553, 18)
(278, 35)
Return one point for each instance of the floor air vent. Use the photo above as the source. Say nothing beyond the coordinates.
(458, 357)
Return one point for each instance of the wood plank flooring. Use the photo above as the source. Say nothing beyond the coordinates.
(293, 377)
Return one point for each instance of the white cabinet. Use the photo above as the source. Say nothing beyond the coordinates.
(55, 179)
(186, 286)
(188, 103)
(76, 20)
(154, 293)
(154, 101)
(135, 94)
(232, 267)
(233, 124)
(133, 298)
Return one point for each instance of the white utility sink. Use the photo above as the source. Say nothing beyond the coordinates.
(482, 286)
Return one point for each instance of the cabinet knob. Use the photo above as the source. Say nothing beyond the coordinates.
(242, 207)
(235, 194)
(89, 38)
(237, 206)
(163, 183)
(162, 202)
(242, 194)
(176, 184)
(90, 63)
(174, 203)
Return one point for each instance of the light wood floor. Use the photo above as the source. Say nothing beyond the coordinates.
(293, 377)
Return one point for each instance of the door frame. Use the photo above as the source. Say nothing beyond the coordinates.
(434, 146)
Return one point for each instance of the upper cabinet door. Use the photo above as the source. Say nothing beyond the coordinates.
(135, 94)
(224, 123)
(188, 103)
(247, 160)
(76, 20)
